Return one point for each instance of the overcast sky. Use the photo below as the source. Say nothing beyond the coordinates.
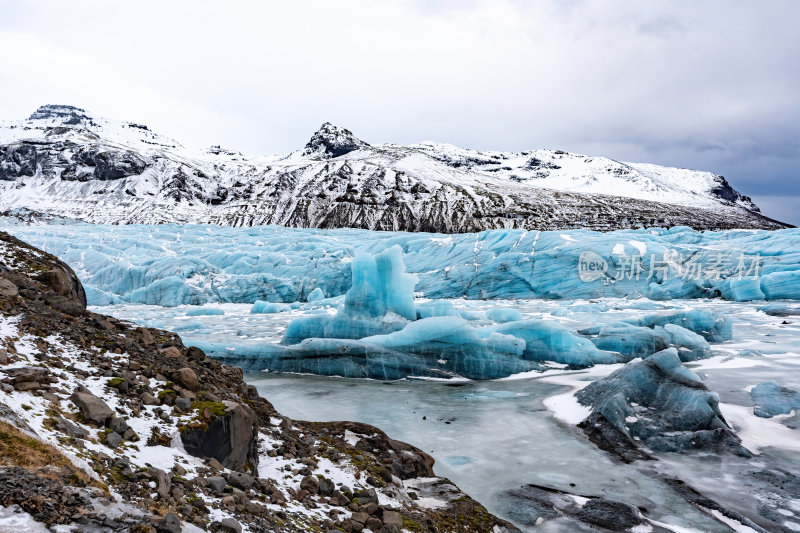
(712, 85)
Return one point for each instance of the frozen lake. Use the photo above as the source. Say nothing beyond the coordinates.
(493, 436)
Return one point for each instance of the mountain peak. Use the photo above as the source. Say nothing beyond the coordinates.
(332, 141)
(66, 114)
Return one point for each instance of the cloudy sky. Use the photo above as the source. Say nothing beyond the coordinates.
(713, 85)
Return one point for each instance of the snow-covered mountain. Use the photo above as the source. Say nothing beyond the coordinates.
(63, 162)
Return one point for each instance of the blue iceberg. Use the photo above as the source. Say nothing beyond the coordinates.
(771, 399)
(658, 404)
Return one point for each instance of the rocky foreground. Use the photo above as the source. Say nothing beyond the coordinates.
(106, 426)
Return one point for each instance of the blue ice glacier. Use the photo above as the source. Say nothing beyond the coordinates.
(771, 399)
(172, 265)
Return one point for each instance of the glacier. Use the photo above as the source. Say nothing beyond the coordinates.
(378, 330)
(171, 265)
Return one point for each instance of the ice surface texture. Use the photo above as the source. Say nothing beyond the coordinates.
(172, 265)
(658, 403)
(771, 399)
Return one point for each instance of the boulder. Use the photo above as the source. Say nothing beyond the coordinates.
(186, 377)
(92, 408)
(217, 484)
(230, 525)
(172, 352)
(170, 524)
(232, 438)
(7, 289)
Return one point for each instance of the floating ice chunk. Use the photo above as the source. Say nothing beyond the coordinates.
(315, 295)
(690, 345)
(659, 403)
(262, 307)
(550, 341)
(204, 311)
(714, 327)
(780, 310)
(771, 399)
(504, 314)
(639, 341)
(627, 339)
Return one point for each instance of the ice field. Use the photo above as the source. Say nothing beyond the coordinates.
(594, 364)
(171, 265)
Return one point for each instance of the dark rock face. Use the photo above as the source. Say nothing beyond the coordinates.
(333, 141)
(106, 165)
(658, 403)
(231, 439)
(18, 160)
(67, 114)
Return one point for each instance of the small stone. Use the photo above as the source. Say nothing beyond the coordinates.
(373, 524)
(130, 435)
(195, 353)
(301, 495)
(310, 484)
(230, 525)
(217, 483)
(186, 377)
(242, 481)
(146, 336)
(149, 399)
(183, 404)
(113, 440)
(216, 465)
(326, 487)
(118, 424)
(228, 501)
(360, 518)
(68, 428)
(172, 352)
(179, 470)
(7, 289)
(170, 524)
(3, 356)
(392, 518)
(27, 386)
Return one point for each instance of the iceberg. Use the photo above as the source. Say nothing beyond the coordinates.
(657, 403)
(262, 307)
(639, 341)
(771, 399)
(171, 265)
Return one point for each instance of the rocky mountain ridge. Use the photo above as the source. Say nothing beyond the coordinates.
(63, 162)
